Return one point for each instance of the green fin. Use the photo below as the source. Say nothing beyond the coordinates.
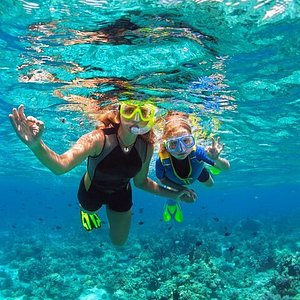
(166, 215)
(213, 170)
(173, 211)
(95, 220)
(90, 221)
(178, 214)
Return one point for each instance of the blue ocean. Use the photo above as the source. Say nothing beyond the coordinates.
(235, 66)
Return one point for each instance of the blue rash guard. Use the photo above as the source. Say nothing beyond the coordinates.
(194, 165)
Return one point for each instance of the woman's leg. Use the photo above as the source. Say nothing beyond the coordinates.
(119, 225)
(89, 205)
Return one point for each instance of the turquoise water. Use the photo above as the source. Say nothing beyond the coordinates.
(235, 65)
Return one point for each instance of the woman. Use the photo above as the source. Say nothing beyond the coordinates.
(181, 162)
(120, 151)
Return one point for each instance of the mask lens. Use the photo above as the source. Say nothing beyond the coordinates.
(188, 141)
(172, 145)
(146, 112)
(180, 144)
(128, 111)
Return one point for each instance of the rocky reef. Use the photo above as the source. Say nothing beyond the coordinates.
(254, 260)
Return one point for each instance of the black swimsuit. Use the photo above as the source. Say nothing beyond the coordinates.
(110, 174)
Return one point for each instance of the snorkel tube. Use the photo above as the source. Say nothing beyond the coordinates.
(142, 130)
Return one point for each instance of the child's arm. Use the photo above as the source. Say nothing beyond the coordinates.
(222, 163)
(214, 152)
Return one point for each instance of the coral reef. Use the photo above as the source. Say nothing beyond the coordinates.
(172, 263)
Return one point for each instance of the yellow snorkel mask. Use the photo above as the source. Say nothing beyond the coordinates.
(138, 111)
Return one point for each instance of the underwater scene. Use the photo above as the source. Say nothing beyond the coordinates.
(233, 68)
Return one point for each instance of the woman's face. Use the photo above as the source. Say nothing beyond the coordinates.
(129, 123)
(183, 151)
(135, 117)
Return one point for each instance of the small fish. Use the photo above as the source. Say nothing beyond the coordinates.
(58, 227)
(141, 210)
(198, 243)
(41, 219)
(203, 207)
(216, 219)
(170, 227)
(227, 233)
(231, 248)
(141, 222)
(14, 226)
(187, 65)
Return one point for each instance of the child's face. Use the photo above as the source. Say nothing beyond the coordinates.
(181, 143)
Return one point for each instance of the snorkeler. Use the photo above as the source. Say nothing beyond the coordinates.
(116, 152)
(181, 161)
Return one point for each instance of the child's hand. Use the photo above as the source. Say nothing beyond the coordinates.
(187, 195)
(215, 149)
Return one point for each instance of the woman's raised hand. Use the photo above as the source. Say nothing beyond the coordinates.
(28, 129)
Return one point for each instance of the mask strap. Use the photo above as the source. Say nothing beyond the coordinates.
(180, 119)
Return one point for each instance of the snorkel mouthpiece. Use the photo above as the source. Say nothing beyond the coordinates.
(140, 130)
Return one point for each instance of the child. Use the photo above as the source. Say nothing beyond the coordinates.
(181, 161)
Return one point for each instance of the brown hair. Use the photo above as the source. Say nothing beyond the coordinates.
(174, 121)
(110, 117)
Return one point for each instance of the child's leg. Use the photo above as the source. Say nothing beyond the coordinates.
(206, 178)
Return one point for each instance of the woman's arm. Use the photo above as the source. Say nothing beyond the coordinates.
(63, 163)
(142, 181)
(172, 184)
(30, 131)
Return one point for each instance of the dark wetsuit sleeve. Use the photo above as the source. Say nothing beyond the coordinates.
(201, 155)
(159, 169)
